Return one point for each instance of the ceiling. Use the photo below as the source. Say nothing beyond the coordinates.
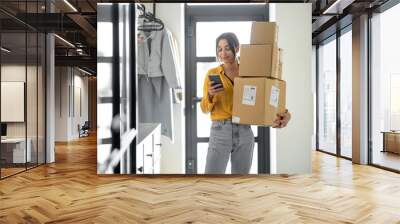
(330, 15)
(76, 23)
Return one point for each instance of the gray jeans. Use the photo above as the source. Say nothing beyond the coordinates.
(228, 139)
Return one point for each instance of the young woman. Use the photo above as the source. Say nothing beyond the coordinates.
(226, 138)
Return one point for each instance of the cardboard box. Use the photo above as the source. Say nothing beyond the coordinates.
(279, 64)
(258, 60)
(278, 74)
(256, 101)
(264, 33)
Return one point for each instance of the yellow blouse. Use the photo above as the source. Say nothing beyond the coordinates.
(222, 102)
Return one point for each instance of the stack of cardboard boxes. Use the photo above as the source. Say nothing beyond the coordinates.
(259, 91)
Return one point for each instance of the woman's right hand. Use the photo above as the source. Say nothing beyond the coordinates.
(214, 89)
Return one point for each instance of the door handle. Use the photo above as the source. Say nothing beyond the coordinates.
(140, 169)
(196, 99)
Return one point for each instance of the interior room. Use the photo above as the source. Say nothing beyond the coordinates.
(25, 92)
(104, 116)
(184, 152)
(22, 97)
(75, 75)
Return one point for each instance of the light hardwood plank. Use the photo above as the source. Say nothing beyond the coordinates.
(70, 191)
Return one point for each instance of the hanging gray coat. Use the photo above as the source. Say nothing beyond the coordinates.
(158, 73)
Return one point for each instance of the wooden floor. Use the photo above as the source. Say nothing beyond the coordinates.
(10, 171)
(387, 159)
(69, 191)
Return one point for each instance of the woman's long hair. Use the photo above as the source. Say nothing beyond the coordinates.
(233, 43)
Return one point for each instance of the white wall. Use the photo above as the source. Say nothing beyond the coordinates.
(80, 82)
(18, 73)
(66, 120)
(12, 73)
(173, 154)
(33, 125)
(61, 103)
(291, 153)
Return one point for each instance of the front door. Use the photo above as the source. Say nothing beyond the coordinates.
(201, 33)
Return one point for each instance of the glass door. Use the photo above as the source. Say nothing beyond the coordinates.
(201, 56)
(15, 153)
(22, 76)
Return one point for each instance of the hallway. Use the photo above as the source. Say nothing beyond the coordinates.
(70, 191)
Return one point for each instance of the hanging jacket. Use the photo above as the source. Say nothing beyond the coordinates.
(157, 56)
(158, 72)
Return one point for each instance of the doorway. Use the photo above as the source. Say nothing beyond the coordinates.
(203, 24)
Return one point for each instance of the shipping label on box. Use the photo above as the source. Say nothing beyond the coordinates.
(257, 100)
(274, 97)
(235, 119)
(249, 95)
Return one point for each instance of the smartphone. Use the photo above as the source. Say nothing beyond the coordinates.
(216, 79)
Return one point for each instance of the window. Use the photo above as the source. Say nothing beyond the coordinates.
(327, 97)
(394, 101)
(385, 85)
(335, 74)
(346, 94)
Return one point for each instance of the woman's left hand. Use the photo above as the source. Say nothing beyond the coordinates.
(282, 119)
